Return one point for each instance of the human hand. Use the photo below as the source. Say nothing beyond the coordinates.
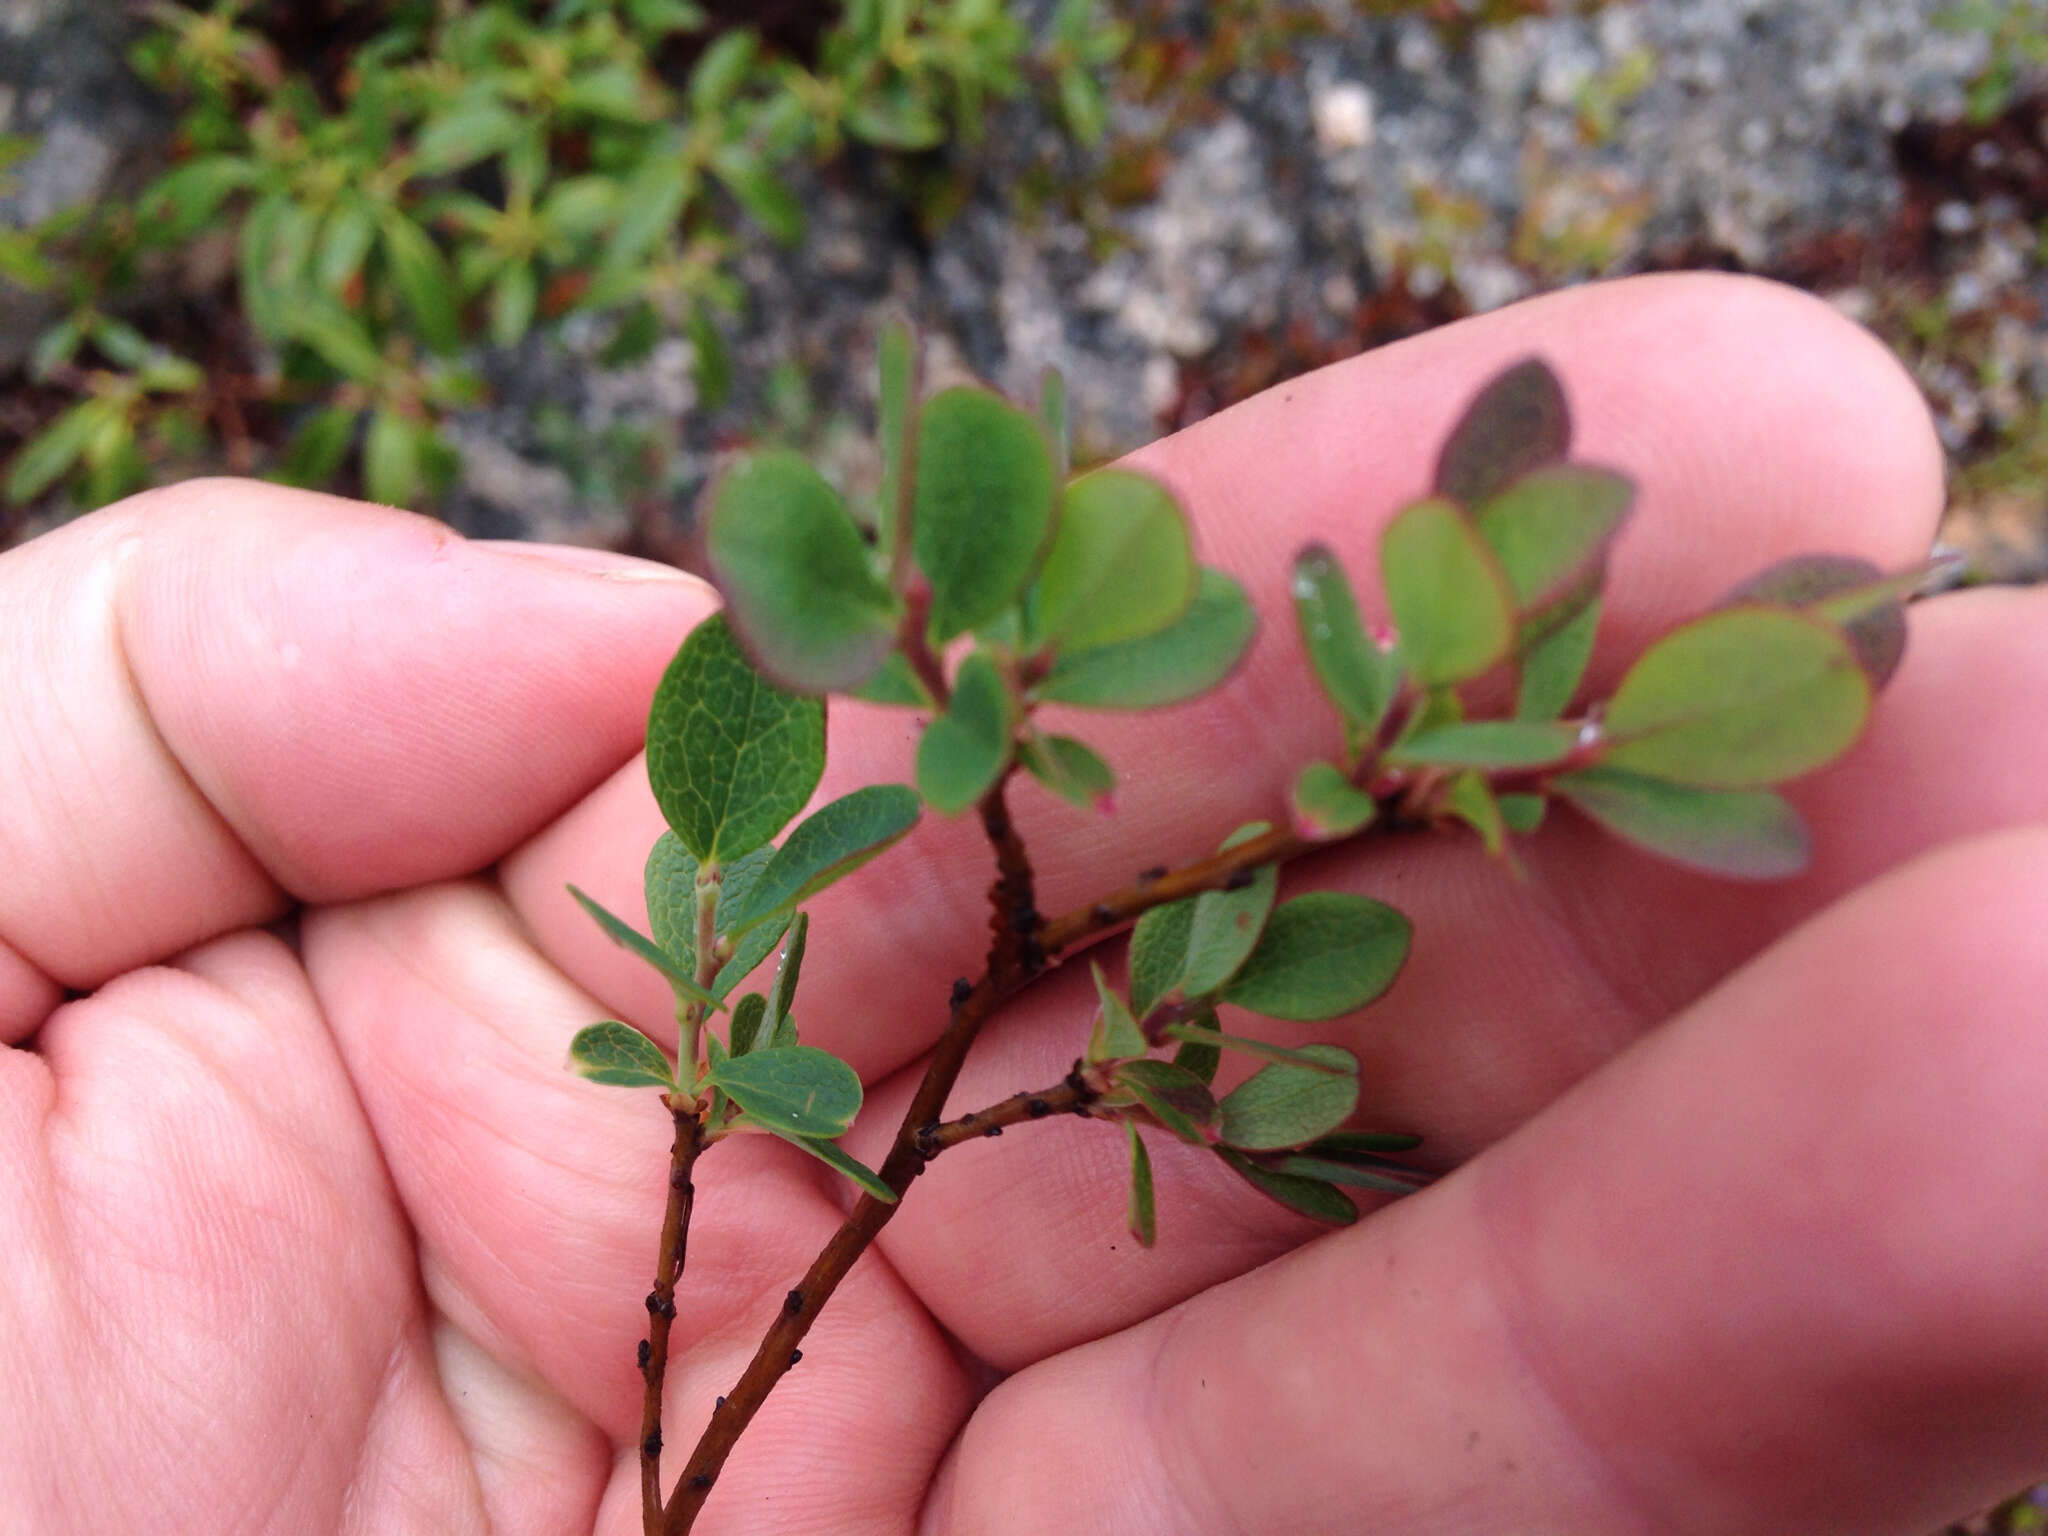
(311, 1230)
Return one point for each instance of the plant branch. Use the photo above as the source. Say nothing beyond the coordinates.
(661, 1301)
(1073, 1095)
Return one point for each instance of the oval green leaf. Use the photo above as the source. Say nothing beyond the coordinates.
(799, 590)
(795, 1090)
(982, 505)
(1497, 744)
(1551, 529)
(826, 846)
(1116, 1033)
(618, 1054)
(1517, 422)
(1321, 955)
(1179, 1100)
(1121, 566)
(1187, 658)
(1191, 948)
(1311, 1197)
(964, 751)
(1743, 698)
(1743, 834)
(831, 1156)
(1553, 666)
(730, 756)
(1290, 1104)
(1449, 598)
(1360, 678)
(747, 1016)
(1852, 594)
(1071, 769)
(1328, 805)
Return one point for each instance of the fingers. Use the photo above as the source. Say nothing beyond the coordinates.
(1777, 1268)
(537, 1197)
(221, 693)
(1757, 421)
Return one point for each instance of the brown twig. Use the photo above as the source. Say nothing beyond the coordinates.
(1073, 1095)
(661, 1301)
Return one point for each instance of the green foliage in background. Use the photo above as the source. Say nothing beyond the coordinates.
(474, 172)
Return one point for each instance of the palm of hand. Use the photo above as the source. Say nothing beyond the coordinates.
(312, 1232)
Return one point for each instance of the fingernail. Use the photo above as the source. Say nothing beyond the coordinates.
(604, 564)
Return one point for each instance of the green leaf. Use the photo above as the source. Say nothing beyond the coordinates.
(712, 358)
(798, 1090)
(1328, 805)
(1311, 1197)
(671, 888)
(828, 845)
(319, 446)
(340, 340)
(1496, 744)
(730, 756)
(1518, 422)
(897, 425)
(1121, 566)
(345, 241)
(1142, 1217)
(1551, 529)
(1354, 1146)
(825, 1152)
(1470, 799)
(475, 126)
(1183, 660)
(392, 472)
(1193, 956)
(747, 1016)
(1070, 769)
(1389, 1181)
(1745, 834)
(1322, 954)
(424, 281)
(1450, 600)
(1360, 678)
(788, 971)
(618, 1054)
(185, 198)
(1265, 1050)
(1521, 813)
(1053, 416)
(1201, 1052)
(895, 682)
(650, 204)
(1553, 666)
(1850, 593)
(1180, 1101)
(629, 938)
(755, 187)
(52, 452)
(514, 293)
(790, 563)
(1740, 699)
(1290, 1104)
(1116, 1033)
(721, 70)
(982, 505)
(963, 752)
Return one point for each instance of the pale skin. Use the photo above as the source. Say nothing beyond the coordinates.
(308, 1229)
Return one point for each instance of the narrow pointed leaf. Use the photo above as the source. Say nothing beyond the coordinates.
(730, 756)
(1184, 660)
(1265, 1050)
(897, 356)
(1328, 805)
(627, 937)
(1470, 799)
(798, 1090)
(1200, 1054)
(1517, 423)
(1521, 813)
(1175, 1097)
(1142, 1216)
(826, 846)
(1349, 1146)
(1390, 1181)
(1311, 1197)
(963, 752)
(1121, 565)
(1289, 1104)
(1743, 698)
(1495, 744)
(1744, 834)
(421, 274)
(747, 1016)
(829, 1154)
(618, 1054)
(1322, 954)
(1116, 1033)
(1449, 598)
(789, 970)
(1360, 678)
(1070, 769)
(1552, 668)
(1551, 530)
(800, 592)
(982, 505)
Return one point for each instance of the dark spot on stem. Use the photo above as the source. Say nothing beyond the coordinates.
(1101, 914)
(1025, 919)
(651, 1446)
(654, 1302)
(793, 1303)
(994, 1130)
(718, 1405)
(1239, 879)
(1036, 1108)
(1153, 875)
(679, 1181)
(795, 1355)
(645, 1353)
(701, 1481)
(962, 990)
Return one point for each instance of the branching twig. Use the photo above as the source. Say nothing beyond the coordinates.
(661, 1302)
(1072, 1096)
